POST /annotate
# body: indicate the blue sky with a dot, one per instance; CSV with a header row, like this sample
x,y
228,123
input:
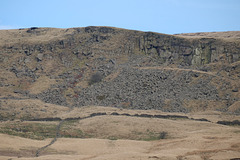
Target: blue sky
x,y
164,16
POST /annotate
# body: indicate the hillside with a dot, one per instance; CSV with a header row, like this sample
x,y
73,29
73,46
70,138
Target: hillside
x,y
96,133
98,93
129,69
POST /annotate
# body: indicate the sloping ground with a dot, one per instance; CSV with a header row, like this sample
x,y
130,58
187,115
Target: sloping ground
x,y
48,75
164,88
230,35
184,139
25,109
181,74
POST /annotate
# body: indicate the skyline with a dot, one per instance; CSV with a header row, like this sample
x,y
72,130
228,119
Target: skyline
x,y
163,16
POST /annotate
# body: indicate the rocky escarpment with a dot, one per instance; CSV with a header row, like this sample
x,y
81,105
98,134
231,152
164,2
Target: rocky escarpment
x,y
141,70
184,52
93,41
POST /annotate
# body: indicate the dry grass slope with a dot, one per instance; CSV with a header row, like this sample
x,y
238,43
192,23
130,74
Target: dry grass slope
x,y
45,76
114,137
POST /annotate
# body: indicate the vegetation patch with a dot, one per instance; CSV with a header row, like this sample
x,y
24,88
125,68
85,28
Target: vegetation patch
x,y
153,136
101,97
149,135
42,131
37,131
112,138
95,78
68,130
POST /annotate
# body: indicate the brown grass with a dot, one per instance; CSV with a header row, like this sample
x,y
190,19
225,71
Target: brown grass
x,y
121,137
42,83
109,137
29,109
229,36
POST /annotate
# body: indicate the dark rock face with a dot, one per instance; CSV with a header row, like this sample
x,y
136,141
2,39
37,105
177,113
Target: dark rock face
x,y
189,73
173,49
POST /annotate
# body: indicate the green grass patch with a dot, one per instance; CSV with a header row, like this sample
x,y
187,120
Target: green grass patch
x,y
69,130
153,136
112,138
37,131
42,131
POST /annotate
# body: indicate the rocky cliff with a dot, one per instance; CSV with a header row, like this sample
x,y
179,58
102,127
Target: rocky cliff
x,y
122,68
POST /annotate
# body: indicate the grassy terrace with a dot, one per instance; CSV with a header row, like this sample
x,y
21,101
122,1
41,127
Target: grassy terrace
x,y
43,130
40,130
